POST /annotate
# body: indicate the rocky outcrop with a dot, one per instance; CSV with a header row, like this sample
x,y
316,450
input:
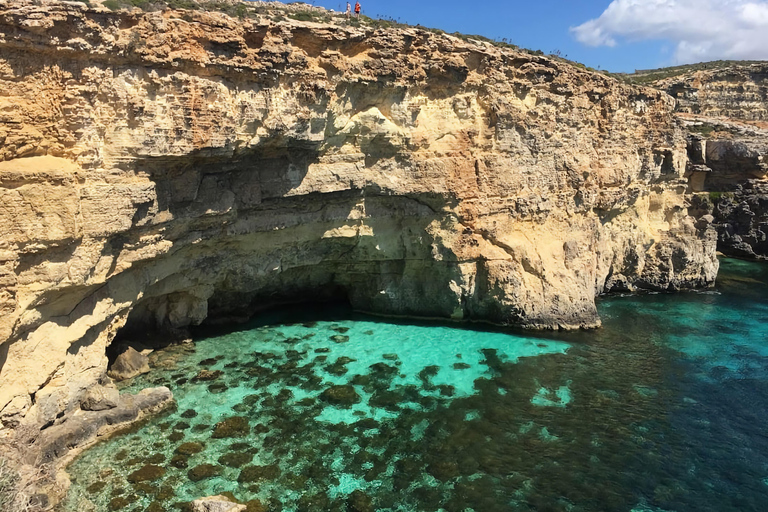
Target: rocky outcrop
x,y
729,154
742,220
160,169
736,92
726,111
82,428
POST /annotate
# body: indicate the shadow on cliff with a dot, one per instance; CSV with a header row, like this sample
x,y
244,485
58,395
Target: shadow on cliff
x,y
207,183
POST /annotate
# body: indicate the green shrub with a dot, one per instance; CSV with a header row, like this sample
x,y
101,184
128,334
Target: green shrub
x,y
702,129
716,196
302,16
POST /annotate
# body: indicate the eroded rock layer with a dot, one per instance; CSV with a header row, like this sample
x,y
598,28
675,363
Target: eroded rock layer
x,y
736,92
176,166
727,112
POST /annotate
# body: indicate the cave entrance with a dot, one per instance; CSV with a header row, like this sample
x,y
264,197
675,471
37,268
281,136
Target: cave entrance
x,y
151,324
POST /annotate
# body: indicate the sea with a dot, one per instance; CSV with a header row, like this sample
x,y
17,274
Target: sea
x,y
664,408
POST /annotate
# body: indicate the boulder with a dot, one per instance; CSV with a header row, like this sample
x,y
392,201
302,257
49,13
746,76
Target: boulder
x,y
216,504
129,363
100,398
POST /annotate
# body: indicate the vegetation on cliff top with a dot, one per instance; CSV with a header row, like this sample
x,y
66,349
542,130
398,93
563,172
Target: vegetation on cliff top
x,y
300,11
647,76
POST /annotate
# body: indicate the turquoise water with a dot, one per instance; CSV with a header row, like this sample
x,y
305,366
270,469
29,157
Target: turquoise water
x,y
663,409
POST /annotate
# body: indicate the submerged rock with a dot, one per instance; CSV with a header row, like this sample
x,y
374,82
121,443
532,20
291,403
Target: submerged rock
x,y
444,470
252,474
179,461
118,503
207,375
96,487
203,471
148,473
235,459
157,458
344,396
218,387
190,448
255,506
236,426
358,501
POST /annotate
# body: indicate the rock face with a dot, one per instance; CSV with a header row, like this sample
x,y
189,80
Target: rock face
x,y
727,112
742,220
737,92
163,168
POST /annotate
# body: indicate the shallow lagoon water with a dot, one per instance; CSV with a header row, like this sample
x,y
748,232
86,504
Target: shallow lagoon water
x,y
663,409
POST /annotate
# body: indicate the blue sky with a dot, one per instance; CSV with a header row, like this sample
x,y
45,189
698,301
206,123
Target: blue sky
x,y
617,35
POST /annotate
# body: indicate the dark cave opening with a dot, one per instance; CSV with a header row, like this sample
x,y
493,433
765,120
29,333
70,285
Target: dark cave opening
x,y
228,311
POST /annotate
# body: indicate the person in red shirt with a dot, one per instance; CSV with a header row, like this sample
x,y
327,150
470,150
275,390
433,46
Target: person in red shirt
x,y
357,9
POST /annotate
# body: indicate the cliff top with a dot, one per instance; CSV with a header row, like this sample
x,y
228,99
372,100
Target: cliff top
x,y
717,67
300,11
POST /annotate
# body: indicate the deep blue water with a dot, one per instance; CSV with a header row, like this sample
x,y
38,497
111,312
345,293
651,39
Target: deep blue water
x,y
663,409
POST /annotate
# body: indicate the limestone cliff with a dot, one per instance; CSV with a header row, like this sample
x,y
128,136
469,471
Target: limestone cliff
x,y
167,167
735,92
726,110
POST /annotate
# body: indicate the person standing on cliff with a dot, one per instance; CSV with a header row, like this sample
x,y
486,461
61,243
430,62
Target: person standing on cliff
x,y
349,10
357,9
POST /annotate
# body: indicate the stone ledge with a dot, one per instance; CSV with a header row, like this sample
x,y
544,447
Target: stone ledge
x,y
84,427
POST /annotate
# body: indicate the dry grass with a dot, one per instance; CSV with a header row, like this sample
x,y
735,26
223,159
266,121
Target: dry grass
x,y
20,482
12,495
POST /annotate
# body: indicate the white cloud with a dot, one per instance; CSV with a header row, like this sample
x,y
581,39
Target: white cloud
x,y
701,29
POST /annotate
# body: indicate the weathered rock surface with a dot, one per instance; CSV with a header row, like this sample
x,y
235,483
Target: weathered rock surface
x,y
129,363
737,92
730,154
163,168
727,112
83,427
216,504
100,398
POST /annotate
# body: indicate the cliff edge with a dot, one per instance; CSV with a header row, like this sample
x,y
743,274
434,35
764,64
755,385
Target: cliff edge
x,y
160,169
